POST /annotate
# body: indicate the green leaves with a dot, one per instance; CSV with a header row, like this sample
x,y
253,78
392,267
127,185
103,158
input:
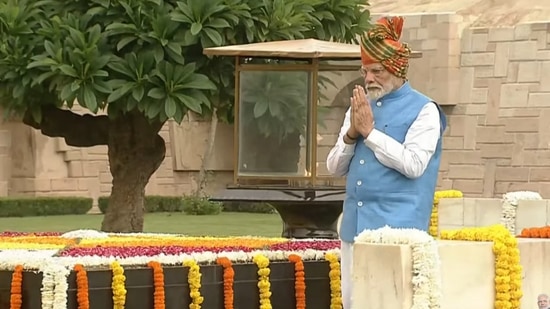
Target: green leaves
x,y
208,20
123,55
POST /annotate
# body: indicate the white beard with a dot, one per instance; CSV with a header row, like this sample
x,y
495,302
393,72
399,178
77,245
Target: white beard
x,y
375,94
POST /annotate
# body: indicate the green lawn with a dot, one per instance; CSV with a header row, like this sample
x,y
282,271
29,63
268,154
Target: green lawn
x,y
225,224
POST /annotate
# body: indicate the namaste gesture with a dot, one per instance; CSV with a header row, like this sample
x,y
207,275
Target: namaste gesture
x,y
362,119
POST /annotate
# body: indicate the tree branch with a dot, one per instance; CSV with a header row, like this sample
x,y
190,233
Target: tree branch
x,y
77,130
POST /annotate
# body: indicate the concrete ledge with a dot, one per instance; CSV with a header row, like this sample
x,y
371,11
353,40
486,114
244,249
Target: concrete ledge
x,y
457,213
383,273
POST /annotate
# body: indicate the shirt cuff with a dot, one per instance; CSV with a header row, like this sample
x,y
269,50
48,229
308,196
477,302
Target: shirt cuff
x,y
349,149
375,139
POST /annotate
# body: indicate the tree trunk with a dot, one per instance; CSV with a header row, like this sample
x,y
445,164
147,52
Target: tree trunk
x,y
207,153
136,151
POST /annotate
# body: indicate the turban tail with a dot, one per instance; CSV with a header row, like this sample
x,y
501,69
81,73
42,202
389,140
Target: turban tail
x,y
381,45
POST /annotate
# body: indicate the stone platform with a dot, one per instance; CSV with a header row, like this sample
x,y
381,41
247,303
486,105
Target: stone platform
x,y
457,213
383,273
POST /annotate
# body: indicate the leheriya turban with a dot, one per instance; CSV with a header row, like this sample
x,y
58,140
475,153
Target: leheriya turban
x,y
381,45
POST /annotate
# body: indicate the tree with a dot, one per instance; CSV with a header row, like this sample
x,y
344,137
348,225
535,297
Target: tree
x,y
141,62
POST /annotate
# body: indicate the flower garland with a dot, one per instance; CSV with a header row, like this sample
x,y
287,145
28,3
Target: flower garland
x,y
54,285
510,202
228,280
159,301
16,298
82,297
426,265
264,285
536,232
508,270
300,281
194,279
335,281
118,286
433,230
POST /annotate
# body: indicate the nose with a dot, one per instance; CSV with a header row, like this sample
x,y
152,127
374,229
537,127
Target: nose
x,y
369,77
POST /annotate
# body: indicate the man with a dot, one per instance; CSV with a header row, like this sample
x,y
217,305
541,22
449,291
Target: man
x,y
542,301
389,146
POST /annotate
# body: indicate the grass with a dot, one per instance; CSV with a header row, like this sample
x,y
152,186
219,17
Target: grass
x,y
224,224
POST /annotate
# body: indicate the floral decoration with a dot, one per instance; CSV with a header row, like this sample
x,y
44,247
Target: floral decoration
x,y
510,202
82,297
536,232
433,230
300,281
159,301
16,297
264,285
55,255
335,281
508,270
118,286
194,280
228,281
426,264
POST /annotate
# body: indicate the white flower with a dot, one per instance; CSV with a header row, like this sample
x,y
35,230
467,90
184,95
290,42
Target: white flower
x,y
510,203
85,234
426,280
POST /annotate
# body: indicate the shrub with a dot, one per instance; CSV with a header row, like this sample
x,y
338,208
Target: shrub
x,y
201,206
265,208
153,203
44,206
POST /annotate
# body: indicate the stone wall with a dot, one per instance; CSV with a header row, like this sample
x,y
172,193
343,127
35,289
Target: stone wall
x,y
495,88
493,83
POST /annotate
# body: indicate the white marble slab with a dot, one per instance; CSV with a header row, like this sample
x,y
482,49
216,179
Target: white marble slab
x,y
382,274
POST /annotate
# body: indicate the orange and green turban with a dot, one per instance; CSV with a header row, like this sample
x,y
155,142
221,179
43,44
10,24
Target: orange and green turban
x,y
381,45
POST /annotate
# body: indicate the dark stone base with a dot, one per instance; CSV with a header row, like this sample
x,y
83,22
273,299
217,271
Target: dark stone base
x,y
305,220
306,213
139,285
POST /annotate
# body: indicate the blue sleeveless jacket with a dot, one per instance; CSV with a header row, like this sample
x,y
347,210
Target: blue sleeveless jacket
x,y
377,195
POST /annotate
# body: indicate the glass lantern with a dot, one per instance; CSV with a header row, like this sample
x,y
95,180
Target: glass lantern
x,y
290,101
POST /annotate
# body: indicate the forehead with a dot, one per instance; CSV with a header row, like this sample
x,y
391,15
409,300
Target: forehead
x,y
372,66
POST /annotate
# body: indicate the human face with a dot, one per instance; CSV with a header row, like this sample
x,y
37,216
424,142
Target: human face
x,y
378,81
542,302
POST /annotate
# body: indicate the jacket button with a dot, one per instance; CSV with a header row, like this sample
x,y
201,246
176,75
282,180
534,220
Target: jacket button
x,y
359,203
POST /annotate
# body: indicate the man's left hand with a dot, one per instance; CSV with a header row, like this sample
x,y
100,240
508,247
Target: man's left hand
x,y
362,112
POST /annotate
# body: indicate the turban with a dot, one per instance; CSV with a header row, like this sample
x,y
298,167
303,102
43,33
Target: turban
x,y
380,44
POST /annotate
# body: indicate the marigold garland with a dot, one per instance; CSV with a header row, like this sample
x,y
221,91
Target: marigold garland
x,y
507,261
194,280
118,286
434,218
300,280
159,301
335,281
82,296
536,232
16,298
228,280
264,285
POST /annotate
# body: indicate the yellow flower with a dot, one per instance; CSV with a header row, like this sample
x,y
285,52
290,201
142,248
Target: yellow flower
x,y
508,269
434,219
118,286
264,286
194,280
335,281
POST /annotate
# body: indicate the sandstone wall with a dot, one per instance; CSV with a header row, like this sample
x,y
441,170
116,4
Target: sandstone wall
x,y
494,84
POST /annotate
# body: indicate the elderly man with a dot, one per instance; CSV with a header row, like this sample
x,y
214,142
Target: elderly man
x,y
389,146
542,301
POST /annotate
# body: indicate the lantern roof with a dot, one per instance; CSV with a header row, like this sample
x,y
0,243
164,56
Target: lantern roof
x,y
302,48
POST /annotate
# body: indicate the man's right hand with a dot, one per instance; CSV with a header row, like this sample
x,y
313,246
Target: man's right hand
x,y
352,134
